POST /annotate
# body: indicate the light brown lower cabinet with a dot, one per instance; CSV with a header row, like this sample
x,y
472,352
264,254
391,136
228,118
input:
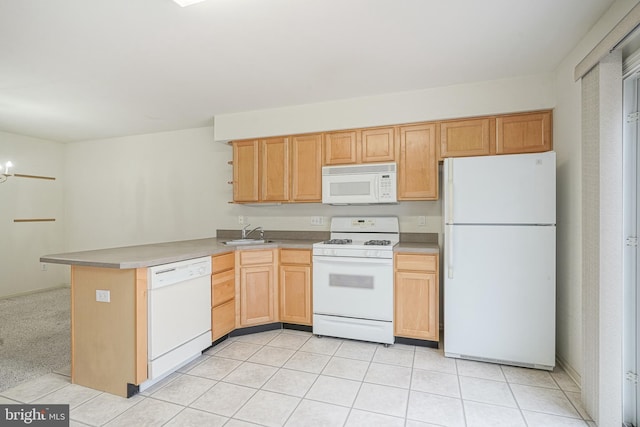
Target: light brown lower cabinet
x,y
223,292
256,287
295,286
416,296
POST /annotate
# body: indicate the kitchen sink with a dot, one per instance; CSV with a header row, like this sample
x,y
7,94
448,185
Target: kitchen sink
x,y
247,242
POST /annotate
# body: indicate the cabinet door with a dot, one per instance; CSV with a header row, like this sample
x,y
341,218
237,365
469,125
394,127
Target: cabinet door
x,y
306,168
523,133
257,295
245,171
340,148
465,138
295,294
378,145
416,305
274,170
417,163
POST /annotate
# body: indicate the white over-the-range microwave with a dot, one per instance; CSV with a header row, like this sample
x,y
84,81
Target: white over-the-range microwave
x,y
359,184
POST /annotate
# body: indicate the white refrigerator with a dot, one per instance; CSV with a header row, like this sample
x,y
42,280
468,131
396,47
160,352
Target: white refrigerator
x,y
500,259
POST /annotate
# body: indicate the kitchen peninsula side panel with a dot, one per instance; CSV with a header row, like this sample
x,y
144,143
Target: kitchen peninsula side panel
x,y
108,339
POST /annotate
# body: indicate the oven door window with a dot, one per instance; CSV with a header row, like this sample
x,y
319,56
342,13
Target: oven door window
x,y
353,287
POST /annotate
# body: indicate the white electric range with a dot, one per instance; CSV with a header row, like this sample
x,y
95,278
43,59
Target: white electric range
x,y
353,279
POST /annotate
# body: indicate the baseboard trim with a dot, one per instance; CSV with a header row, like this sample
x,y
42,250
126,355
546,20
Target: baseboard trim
x,y
573,374
36,291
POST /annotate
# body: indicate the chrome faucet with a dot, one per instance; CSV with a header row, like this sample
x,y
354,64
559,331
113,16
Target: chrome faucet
x,y
246,234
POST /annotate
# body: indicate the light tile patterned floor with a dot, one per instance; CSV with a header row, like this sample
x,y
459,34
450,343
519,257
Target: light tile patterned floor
x,y
292,378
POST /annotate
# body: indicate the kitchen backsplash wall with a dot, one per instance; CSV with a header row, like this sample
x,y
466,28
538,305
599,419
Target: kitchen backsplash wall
x,y
173,186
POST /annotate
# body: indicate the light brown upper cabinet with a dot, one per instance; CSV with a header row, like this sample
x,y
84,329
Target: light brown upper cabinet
x,y
370,145
306,168
377,145
417,163
245,171
340,148
523,133
465,138
261,170
274,169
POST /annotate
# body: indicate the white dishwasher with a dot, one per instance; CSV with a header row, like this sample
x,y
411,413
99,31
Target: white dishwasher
x,y
179,309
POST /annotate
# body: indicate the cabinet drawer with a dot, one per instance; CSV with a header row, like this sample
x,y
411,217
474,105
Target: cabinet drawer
x,y
222,262
256,257
223,319
295,256
416,262
223,287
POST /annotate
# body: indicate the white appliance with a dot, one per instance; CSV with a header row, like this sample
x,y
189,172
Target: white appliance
x,y
353,279
359,184
500,264
179,315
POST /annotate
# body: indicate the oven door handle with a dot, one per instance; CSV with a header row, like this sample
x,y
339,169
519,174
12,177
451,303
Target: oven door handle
x,y
351,260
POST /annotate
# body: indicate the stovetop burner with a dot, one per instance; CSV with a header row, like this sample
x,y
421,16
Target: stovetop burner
x,y
378,242
337,242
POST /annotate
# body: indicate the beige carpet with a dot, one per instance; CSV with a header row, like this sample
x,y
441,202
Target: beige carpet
x,y
35,336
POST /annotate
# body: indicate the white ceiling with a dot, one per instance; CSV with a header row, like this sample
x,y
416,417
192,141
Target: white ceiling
x,y
73,70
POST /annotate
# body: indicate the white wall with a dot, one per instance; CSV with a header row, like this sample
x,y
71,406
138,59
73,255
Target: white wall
x,y
146,188
567,143
22,244
481,98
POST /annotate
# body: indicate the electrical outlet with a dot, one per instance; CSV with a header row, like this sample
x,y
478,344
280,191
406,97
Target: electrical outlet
x,y
43,267
240,219
103,296
317,220
422,220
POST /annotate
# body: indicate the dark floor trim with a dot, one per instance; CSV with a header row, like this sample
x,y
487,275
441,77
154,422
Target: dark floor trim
x,y
254,329
295,327
419,343
132,389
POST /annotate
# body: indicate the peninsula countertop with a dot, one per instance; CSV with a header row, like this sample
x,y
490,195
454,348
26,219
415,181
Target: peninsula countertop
x,y
148,255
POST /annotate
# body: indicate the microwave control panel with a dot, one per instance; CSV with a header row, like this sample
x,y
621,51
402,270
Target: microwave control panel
x,y
386,187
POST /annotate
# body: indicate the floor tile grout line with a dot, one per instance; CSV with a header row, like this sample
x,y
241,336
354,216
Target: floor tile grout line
x,y
564,392
262,385
515,398
464,411
406,410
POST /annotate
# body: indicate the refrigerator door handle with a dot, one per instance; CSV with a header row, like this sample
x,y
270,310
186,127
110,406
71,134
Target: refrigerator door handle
x,y
450,190
449,246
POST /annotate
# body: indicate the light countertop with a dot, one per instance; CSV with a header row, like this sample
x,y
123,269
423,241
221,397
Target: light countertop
x,y
141,256
427,248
